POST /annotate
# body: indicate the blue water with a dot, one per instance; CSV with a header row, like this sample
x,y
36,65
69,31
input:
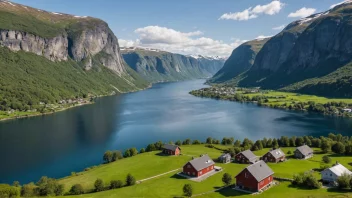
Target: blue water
x,y
57,144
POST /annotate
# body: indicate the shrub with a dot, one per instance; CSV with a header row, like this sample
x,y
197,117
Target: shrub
x,y
151,147
116,155
344,181
289,152
306,180
196,142
142,150
188,190
326,159
127,153
130,180
133,151
77,189
49,187
338,148
99,185
28,190
227,179
116,184
16,184
9,191
107,157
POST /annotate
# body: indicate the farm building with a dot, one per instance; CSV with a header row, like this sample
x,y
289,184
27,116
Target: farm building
x,y
331,174
246,157
275,156
199,166
303,152
225,158
255,177
170,149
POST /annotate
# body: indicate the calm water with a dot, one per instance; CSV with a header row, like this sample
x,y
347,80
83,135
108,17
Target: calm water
x,y
71,140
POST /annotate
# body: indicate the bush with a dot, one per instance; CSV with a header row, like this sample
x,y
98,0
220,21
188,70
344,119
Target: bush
x,y
227,179
16,184
99,185
28,190
344,181
9,191
116,155
107,157
326,159
130,180
116,184
133,151
289,152
49,187
77,189
142,150
188,190
306,180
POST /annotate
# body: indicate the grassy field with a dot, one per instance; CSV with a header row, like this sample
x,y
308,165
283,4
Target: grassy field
x,y
170,185
294,97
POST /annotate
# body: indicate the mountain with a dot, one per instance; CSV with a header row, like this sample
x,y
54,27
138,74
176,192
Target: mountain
x,y
48,56
160,66
241,60
308,56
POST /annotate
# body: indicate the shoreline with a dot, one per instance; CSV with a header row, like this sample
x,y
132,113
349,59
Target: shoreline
x,y
37,114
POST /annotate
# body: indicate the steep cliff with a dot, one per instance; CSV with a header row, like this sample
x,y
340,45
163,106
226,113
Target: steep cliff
x,y
160,66
307,56
84,43
241,60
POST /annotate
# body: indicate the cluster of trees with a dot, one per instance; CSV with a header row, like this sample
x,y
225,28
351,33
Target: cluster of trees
x,y
306,180
344,181
330,108
9,191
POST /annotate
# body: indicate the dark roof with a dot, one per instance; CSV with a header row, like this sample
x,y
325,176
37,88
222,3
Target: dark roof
x,y
249,155
201,162
171,147
259,170
305,150
277,153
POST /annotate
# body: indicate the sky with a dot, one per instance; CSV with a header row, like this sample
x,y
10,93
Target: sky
x,y
205,27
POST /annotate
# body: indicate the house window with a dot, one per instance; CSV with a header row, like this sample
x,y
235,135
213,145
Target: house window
x,y
330,175
245,175
188,166
193,173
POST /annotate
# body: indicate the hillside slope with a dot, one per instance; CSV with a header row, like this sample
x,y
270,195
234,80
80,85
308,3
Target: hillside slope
x,y
307,56
160,66
241,60
47,57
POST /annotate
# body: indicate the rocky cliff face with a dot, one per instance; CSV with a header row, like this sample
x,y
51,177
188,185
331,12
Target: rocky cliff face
x,y
241,60
78,38
160,66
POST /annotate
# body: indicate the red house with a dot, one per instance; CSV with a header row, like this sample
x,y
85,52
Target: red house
x,y
246,157
274,156
255,177
171,149
199,166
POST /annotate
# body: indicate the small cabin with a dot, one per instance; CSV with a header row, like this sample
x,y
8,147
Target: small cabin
x,y
225,158
303,152
274,156
170,149
255,177
246,157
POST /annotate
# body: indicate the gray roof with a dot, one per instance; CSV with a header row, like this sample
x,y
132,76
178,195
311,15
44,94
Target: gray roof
x,y
305,150
249,155
260,170
225,155
170,147
338,170
277,153
201,162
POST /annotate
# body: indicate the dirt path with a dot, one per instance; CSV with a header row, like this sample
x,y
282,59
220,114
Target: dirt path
x,y
143,180
212,191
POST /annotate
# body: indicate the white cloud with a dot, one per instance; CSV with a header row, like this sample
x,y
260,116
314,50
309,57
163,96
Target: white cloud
x,y
270,9
303,12
346,1
180,42
281,27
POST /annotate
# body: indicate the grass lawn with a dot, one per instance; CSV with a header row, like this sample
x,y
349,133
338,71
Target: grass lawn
x,y
294,97
170,185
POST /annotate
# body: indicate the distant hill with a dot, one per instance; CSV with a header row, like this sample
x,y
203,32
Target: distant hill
x,y
311,55
46,57
160,66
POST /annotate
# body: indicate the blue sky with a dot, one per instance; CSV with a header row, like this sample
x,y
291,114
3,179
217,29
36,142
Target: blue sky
x,y
188,26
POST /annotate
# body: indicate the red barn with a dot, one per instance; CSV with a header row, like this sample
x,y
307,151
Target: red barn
x,y
171,149
246,157
199,166
255,177
275,156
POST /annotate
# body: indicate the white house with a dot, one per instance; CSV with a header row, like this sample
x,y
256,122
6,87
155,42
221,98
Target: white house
x,y
331,174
